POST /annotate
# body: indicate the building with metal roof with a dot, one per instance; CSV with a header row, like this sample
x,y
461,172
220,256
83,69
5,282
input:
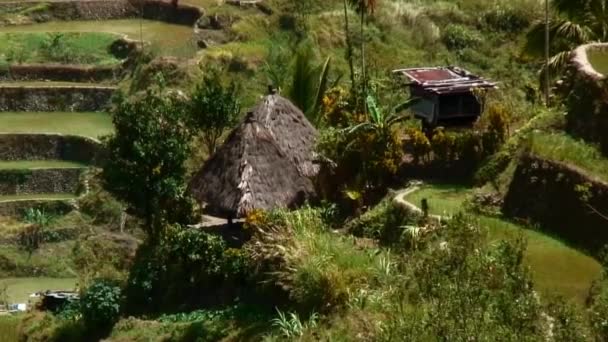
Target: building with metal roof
x,y
446,94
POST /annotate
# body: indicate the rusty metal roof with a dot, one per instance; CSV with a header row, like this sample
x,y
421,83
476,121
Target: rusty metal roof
x,y
444,80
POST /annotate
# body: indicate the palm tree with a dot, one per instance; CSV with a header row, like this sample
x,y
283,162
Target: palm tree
x,y
309,82
576,22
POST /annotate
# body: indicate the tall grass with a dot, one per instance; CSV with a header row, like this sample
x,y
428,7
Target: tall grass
x,y
564,148
9,328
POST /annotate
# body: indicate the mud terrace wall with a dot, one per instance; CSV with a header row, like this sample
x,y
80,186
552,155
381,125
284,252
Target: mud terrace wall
x,y
40,181
104,10
586,96
72,10
49,146
562,200
17,208
68,73
54,99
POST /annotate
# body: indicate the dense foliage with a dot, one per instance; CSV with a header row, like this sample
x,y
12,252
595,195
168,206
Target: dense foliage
x,y
145,168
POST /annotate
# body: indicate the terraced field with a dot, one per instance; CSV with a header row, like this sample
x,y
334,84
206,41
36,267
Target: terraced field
x,y
557,268
91,125
165,38
599,61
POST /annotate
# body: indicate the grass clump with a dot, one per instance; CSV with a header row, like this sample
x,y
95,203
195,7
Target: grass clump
x,y
564,148
315,270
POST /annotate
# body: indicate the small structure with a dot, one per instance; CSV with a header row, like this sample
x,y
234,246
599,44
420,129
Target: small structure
x,y
446,95
266,162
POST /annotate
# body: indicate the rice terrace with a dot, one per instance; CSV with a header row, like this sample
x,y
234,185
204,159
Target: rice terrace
x,y
303,170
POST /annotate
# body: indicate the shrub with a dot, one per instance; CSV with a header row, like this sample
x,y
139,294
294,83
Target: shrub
x,y
103,256
458,37
384,222
510,20
419,144
100,304
302,265
189,269
443,144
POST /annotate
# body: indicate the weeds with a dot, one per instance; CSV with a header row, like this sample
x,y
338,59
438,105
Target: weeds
x,y
290,325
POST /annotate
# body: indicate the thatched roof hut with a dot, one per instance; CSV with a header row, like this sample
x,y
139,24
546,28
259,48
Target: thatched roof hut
x,y
266,162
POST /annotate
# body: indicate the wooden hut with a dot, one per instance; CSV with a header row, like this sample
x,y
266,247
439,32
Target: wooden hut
x,y
446,95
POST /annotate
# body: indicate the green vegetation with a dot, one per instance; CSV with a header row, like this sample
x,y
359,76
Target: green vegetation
x,y
66,48
91,125
149,150
9,328
354,267
564,148
24,197
39,164
166,39
557,268
599,60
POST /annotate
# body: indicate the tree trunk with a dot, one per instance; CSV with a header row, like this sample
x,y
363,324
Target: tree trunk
x,y
363,74
349,47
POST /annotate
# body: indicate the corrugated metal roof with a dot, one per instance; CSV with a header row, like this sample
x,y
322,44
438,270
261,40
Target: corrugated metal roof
x,y
444,80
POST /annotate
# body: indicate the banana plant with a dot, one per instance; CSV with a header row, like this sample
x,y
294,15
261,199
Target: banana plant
x,y
380,120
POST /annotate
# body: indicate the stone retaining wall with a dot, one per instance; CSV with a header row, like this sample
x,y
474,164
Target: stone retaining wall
x,y
105,10
72,10
165,11
49,147
586,97
67,73
55,98
17,208
562,199
40,181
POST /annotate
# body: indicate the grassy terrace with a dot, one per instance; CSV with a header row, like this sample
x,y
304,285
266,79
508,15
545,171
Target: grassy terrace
x,y
19,289
599,60
86,124
556,268
562,147
51,197
50,84
39,164
66,47
168,39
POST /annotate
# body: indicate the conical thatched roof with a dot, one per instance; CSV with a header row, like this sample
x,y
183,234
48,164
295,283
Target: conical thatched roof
x,y
266,162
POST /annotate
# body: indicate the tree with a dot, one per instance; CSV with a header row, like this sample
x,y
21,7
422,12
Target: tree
x,y
214,107
146,155
577,22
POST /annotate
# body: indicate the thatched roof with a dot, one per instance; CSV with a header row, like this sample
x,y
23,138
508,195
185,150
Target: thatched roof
x,y
266,162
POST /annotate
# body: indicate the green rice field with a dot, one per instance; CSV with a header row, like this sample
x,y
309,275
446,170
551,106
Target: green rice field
x,y
64,47
557,269
51,197
85,124
169,39
39,164
599,60
19,289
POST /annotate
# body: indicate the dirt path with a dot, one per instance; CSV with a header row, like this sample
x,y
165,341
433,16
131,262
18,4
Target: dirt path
x,y
399,200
